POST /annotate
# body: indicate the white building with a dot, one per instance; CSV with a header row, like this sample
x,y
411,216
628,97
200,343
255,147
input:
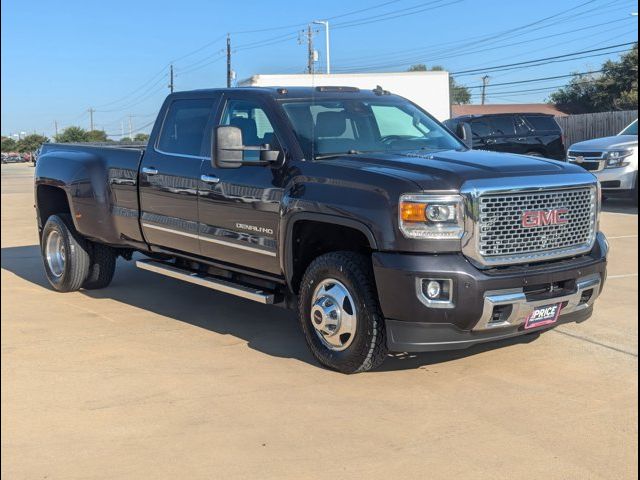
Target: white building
x,y
429,90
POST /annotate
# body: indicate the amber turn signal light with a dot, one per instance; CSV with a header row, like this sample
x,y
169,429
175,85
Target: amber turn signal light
x,y
412,212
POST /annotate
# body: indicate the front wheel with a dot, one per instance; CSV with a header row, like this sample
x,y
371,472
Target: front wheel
x,y
65,255
339,313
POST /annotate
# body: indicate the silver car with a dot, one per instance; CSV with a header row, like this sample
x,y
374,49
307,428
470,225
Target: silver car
x,y
614,160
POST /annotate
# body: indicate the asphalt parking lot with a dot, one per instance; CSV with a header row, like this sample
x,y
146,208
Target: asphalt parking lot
x,y
153,378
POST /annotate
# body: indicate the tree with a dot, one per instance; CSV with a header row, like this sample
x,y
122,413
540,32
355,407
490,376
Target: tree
x,y
30,143
125,140
459,93
8,144
72,135
141,137
96,136
616,88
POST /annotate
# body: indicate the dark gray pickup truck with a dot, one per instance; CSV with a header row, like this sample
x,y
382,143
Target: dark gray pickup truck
x,y
355,207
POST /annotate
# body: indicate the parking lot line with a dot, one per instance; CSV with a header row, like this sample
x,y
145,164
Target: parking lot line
x,y
626,275
622,236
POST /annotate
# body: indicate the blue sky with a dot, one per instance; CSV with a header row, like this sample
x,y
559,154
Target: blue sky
x,y
60,58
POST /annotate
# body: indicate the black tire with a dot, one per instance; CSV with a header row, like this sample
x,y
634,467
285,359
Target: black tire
x,y
102,266
368,349
75,267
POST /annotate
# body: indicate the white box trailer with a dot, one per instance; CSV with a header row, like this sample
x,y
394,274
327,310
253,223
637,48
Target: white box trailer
x,y
430,90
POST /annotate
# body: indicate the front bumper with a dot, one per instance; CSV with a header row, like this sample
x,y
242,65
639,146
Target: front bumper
x,y
413,326
612,179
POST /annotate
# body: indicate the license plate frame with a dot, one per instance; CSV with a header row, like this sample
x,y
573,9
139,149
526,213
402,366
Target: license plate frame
x,y
543,315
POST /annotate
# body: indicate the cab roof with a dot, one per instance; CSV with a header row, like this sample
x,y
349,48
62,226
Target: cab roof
x,y
297,92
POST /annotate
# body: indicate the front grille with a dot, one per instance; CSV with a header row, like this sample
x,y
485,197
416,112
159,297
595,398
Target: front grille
x,y
501,232
590,166
573,154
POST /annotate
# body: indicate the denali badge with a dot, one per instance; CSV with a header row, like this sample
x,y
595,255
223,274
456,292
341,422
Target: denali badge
x,y
541,218
253,228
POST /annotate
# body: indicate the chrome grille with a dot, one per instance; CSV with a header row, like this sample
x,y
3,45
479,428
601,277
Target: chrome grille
x,y
501,232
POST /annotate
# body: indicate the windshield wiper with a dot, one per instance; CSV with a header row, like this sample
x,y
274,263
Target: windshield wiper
x,y
334,155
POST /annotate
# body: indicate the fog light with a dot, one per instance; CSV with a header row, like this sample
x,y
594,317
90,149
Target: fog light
x,y
434,289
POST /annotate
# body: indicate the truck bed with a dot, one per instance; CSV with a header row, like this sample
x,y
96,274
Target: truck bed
x,y
101,182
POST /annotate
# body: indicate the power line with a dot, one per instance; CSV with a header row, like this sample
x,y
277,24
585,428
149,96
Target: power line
x,y
440,54
488,69
540,79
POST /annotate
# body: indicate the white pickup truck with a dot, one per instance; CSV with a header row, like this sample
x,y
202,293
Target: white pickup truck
x,y
614,160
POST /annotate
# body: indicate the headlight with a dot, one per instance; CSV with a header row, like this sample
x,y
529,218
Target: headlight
x,y
615,158
431,217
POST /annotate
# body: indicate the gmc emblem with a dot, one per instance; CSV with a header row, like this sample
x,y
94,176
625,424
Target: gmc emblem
x,y
541,218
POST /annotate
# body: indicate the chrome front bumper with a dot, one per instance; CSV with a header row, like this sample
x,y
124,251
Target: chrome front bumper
x,y
522,308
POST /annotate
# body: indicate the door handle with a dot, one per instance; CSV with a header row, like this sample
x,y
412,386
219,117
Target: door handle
x,y
150,170
521,139
209,178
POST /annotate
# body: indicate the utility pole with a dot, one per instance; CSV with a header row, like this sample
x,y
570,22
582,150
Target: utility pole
x,y
326,43
131,127
485,81
121,129
171,78
55,127
310,54
91,110
229,74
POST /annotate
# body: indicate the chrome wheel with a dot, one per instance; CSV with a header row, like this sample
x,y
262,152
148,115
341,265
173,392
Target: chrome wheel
x,y
333,314
55,253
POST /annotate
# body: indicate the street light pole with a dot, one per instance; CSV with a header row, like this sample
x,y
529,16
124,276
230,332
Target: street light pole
x,y
326,40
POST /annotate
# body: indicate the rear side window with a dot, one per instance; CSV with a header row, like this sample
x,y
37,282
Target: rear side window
x,y
184,126
539,122
502,125
480,127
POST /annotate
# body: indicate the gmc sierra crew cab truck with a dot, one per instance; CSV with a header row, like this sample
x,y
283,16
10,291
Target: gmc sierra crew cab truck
x,y
382,228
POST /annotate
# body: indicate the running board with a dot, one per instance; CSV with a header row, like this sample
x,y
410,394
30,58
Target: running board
x,y
224,286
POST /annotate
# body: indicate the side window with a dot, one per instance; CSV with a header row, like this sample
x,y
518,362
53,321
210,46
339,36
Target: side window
x,y
253,121
540,122
480,128
184,126
502,125
521,127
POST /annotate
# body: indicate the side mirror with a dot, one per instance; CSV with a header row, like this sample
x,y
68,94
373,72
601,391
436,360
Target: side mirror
x,y
464,133
229,150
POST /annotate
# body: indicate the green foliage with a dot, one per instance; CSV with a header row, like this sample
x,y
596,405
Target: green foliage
x,y
459,93
8,144
616,88
31,143
72,135
125,140
141,137
96,136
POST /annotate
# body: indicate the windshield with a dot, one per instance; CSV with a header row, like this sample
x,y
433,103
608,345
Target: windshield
x,y
631,129
330,127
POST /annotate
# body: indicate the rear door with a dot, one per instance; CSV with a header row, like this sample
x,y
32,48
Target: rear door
x,y
503,133
170,175
239,208
481,131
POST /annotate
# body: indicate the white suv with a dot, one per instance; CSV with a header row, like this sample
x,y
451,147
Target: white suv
x,y
614,160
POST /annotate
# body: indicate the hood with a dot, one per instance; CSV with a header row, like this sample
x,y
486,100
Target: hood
x,y
607,143
449,170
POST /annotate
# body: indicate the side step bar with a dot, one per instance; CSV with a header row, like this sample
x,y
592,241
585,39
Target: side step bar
x,y
224,286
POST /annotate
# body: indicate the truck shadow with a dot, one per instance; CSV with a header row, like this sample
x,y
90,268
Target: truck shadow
x,y
620,205
270,330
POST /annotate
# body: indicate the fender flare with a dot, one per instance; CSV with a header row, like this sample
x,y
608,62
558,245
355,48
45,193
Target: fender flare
x,y
286,236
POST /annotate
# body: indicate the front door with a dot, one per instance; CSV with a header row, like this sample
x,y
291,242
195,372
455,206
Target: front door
x,y
170,176
239,208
